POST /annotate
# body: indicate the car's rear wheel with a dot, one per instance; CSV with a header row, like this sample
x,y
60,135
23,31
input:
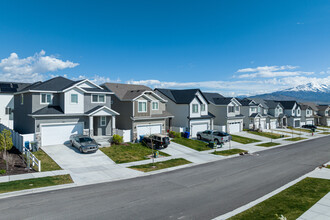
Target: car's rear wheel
x,y
217,141
80,149
199,137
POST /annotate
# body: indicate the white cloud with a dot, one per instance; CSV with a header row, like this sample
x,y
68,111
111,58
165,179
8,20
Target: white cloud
x,y
32,68
271,71
96,79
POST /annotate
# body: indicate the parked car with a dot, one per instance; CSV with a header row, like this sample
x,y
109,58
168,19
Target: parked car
x,y
84,143
158,140
213,135
309,126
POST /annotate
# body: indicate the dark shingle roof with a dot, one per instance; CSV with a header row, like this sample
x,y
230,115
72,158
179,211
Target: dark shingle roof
x,y
260,101
287,104
55,84
217,99
126,91
322,107
209,115
272,103
247,102
304,107
49,110
182,96
94,109
12,87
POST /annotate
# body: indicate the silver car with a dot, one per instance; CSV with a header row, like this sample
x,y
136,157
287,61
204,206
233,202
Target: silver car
x,y
84,143
212,135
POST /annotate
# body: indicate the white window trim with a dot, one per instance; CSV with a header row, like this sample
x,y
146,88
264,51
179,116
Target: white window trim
x,y
193,108
22,99
101,121
146,107
74,103
98,98
204,107
46,103
152,105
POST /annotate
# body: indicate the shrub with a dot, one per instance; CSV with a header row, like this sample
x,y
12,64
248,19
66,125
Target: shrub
x,y
2,172
174,134
117,139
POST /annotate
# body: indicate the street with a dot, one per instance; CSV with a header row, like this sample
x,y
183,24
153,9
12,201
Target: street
x,y
199,192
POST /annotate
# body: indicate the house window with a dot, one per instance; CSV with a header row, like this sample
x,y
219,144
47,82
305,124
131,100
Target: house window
x,y
326,112
195,108
98,98
231,109
280,110
8,111
253,109
46,98
298,111
155,105
202,107
103,121
74,98
259,109
142,107
22,99
237,108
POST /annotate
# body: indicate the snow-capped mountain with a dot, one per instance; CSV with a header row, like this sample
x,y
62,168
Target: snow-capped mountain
x,y
310,92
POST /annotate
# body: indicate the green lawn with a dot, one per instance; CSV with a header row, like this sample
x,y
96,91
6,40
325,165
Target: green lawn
x,y
229,152
34,183
326,133
243,140
288,132
300,129
328,166
290,203
160,165
268,144
128,153
267,134
47,163
295,139
193,144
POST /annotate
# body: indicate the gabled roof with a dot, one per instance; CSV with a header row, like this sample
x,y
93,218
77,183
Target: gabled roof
x,y
182,96
55,84
49,110
247,102
126,91
217,99
288,104
99,108
304,107
323,107
12,87
260,101
312,105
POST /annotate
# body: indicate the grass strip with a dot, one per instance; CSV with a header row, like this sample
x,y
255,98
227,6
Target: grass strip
x,y
229,152
160,165
34,183
268,144
128,153
47,163
300,129
267,134
326,133
243,140
291,202
295,139
288,132
193,144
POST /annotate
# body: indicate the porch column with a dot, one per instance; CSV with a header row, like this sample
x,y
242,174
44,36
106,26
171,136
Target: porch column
x,y
91,133
113,127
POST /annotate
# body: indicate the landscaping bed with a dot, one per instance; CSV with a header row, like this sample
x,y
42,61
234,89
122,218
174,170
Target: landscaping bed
x,y
267,134
268,144
125,153
160,165
193,144
16,163
34,183
295,139
291,203
47,163
243,140
229,152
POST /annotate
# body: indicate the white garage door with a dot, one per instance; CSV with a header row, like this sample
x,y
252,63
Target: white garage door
x,y
59,133
262,124
309,122
148,129
234,128
272,124
328,122
198,127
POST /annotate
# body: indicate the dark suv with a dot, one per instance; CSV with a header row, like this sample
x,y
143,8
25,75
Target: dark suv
x,y
158,140
309,126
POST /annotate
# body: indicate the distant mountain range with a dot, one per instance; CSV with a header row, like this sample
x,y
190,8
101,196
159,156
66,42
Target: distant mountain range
x,y
311,92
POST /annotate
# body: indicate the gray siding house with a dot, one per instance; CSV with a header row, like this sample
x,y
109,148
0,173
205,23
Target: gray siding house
x,y
141,110
307,115
276,110
59,107
324,112
293,112
254,115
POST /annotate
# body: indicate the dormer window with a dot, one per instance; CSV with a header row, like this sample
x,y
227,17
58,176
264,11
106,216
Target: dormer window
x,y
195,108
96,98
280,110
202,107
298,111
46,98
237,108
231,109
155,105
142,106
74,98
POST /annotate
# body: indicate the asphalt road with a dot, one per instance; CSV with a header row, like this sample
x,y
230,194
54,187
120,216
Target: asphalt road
x,y
200,192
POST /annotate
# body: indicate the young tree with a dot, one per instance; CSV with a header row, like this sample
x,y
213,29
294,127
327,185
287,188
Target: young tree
x,y
6,143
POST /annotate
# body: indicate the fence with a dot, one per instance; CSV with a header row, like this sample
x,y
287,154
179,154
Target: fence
x,y
126,134
179,129
18,139
220,127
30,159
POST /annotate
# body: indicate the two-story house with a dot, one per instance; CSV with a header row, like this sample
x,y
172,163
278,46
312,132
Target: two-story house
x,y
324,112
190,110
59,107
264,110
7,90
307,116
293,112
227,112
141,110
254,117
276,110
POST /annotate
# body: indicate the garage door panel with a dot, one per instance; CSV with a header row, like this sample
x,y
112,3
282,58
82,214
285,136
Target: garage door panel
x,y
272,124
234,128
198,127
59,133
148,129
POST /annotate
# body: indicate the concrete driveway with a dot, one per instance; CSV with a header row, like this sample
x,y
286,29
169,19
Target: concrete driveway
x,y
87,168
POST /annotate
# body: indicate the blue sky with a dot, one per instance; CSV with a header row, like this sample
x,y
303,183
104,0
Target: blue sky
x,y
232,47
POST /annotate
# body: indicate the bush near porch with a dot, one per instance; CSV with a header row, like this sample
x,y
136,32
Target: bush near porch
x,y
126,153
